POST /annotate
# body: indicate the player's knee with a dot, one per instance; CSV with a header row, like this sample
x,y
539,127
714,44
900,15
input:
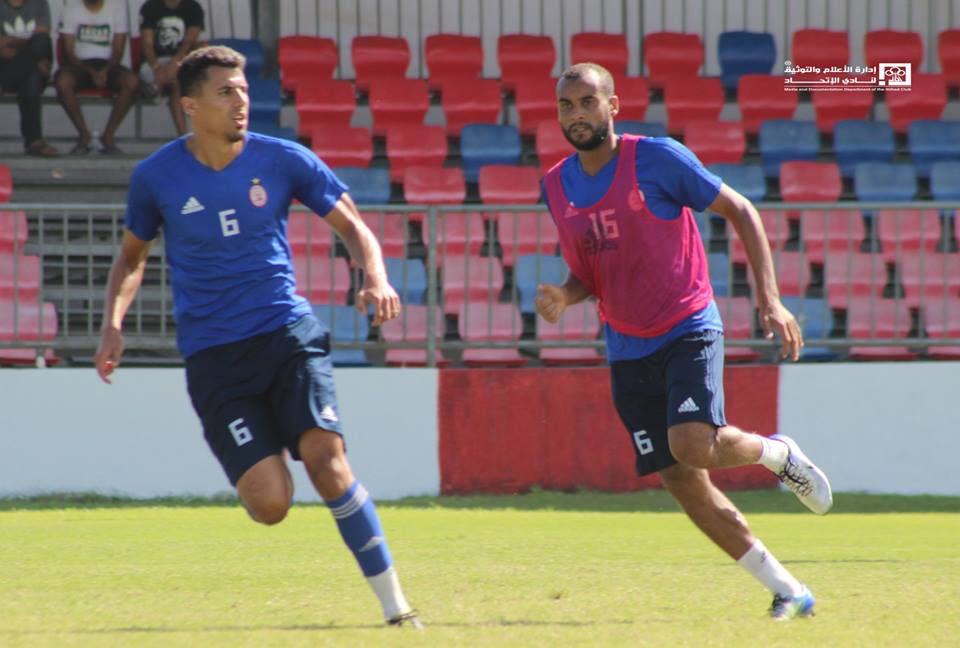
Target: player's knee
x,y
129,82
693,444
268,511
64,81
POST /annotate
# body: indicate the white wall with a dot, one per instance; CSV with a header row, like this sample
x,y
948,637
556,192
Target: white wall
x,y
884,428
63,430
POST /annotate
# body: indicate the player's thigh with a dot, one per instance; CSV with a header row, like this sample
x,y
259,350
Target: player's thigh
x,y
241,432
694,380
640,399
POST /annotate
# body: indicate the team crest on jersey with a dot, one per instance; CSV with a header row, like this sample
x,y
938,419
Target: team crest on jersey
x,y
258,194
636,199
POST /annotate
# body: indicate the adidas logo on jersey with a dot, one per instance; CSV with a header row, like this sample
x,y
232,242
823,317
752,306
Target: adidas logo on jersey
x,y
192,206
688,406
328,414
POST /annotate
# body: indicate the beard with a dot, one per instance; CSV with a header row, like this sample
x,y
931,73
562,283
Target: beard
x,y
598,137
237,135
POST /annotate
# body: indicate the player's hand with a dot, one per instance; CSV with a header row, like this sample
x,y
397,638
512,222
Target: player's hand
x,y
775,318
550,302
383,298
108,353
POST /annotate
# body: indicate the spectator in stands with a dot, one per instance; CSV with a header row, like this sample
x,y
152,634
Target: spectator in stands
x,y
25,61
94,35
169,30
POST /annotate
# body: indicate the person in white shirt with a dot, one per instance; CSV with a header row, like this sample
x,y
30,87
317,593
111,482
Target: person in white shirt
x,y
93,36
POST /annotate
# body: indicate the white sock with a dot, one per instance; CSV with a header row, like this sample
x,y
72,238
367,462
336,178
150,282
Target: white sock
x,y
386,586
767,569
774,454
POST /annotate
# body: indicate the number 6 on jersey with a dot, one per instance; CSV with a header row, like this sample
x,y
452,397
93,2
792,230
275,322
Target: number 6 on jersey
x,y
230,226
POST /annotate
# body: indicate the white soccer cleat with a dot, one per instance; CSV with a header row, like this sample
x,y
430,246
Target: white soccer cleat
x,y
406,620
807,482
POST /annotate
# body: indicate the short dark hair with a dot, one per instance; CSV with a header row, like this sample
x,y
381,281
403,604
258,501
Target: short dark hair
x,y
193,68
580,70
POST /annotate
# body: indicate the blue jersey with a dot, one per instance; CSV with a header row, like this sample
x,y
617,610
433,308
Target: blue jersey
x,y
225,234
670,177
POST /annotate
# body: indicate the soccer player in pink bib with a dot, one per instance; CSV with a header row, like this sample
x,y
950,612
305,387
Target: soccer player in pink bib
x,y
622,205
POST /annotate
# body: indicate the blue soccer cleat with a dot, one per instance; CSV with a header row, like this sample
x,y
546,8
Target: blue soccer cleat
x,y
785,608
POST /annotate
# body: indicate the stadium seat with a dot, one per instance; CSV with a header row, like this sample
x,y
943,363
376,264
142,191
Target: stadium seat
x,y
252,50
366,186
342,146
747,179
433,186
280,132
524,233
633,127
13,231
948,48
810,182
458,234
903,231
744,52
890,46
308,234
470,101
671,55
452,57
322,279
20,276
830,108
856,141
816,322
303,59
502,184
470,278
536,101
552,145
879,181
6,183
379,57
762,97
322,103
793,273
485,322
411,326
634,94
347,324
716,142
265,101
409,279
782,140
853,274
926,100
837,231
718,264
691,99
878,319
532,270
932,141
577,322
524,56
26,321
608,50
776,225
390,228
942,320
929,277
483,144
395,102
411,145
737,316
819,47
945,180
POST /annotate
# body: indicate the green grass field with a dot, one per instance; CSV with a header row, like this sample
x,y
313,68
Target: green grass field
x,y
543,569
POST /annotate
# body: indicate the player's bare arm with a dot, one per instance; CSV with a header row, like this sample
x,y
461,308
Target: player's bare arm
x,y
774,317
126,275
365,250
552,300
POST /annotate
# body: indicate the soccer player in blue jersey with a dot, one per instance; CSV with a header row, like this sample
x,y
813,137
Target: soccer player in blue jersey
x,y
258,363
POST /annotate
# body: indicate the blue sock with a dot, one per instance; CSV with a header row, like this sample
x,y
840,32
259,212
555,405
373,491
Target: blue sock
x,y
360,527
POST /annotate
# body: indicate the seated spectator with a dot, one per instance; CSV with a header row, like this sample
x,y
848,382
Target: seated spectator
x,y
169,30
25,61
94,34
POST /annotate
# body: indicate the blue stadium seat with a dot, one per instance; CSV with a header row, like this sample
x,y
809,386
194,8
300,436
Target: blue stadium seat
x,y
932,141
346,324
719,264
482,144
632,127
251,48
265,101
366,186
409,278
816,321
787,139
744,52
747,179
282,132
533,269
945,180
880,181
856,141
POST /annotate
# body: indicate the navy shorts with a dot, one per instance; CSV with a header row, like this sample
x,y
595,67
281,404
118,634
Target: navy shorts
x,y
680,383
259,395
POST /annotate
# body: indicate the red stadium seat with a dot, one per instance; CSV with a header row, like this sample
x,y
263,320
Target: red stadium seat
x,y
470,278
831,107
394,102
452,56
716,142
762,97
526,233
411,326
308,234
415,145
434,186
878,319
810,181
851,275
20,276
838,231
22,322
671,55
470,101
819,47
458,234
942,319
536,101
14,230
929,277
890,46
776,225
503,184
905,231
793,273
322,280
737,316
379,57
948,47
322,103
578,322
390,229
552,145
926,100
304,59
524,56
6,183
634,94
340,146
608,50
692,99
485,322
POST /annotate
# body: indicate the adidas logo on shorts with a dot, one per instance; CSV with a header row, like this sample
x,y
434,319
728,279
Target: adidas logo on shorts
x,y
688,406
